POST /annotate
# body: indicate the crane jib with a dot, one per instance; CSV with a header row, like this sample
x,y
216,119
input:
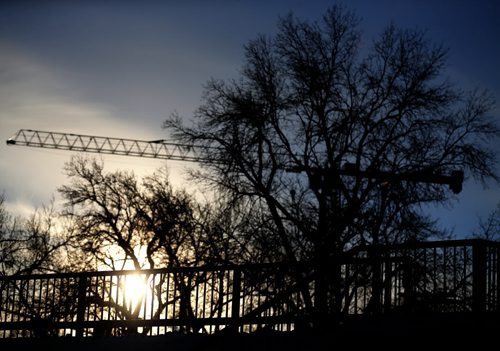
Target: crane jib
x,y
184,152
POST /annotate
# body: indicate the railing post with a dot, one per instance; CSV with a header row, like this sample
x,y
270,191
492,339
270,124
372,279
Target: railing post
x,y
479,276
235,305
497,279
377,281
81,304
408,283
320,295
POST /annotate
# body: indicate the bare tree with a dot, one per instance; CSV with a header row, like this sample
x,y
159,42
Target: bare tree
x,y
31,245
308,103
117,220
489,227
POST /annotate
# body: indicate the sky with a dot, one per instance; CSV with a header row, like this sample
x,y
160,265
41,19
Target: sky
x,y
120,68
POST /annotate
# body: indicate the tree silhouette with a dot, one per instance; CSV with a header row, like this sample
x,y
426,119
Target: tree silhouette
x,y
312,99
118,220
33,244
489,227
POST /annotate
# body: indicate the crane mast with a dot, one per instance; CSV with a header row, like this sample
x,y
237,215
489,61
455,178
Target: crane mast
x,y
162,149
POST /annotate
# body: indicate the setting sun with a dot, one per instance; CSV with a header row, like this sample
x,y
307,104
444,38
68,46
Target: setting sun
x,y
134,289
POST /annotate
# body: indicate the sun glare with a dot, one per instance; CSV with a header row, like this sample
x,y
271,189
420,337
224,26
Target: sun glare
x,y
134,289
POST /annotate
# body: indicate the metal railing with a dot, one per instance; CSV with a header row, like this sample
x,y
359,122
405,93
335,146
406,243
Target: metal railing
x,y
152,302
438,277
442,276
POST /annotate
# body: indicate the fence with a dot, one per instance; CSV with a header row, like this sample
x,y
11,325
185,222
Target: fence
x,y
443,276
437,277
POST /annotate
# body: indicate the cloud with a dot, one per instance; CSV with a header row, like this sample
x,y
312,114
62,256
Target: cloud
x,y
34,97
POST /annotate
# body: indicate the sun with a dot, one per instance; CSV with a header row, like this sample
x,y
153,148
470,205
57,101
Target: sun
x,y
134,289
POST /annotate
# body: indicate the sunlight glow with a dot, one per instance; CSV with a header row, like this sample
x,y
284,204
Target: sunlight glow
x,y
134,289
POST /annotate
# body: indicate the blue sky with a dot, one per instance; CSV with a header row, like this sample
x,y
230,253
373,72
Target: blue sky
x,y
119,68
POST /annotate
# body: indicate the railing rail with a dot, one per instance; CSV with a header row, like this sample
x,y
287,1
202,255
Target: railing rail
x,y
437,277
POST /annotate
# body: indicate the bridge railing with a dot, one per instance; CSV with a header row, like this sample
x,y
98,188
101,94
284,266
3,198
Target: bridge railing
x,y
441,276
436,277
153,302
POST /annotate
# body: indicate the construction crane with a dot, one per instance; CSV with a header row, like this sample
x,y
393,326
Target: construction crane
x,y
162,149
105,145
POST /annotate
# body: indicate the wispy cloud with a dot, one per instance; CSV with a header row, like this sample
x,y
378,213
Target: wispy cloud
x,y
32,97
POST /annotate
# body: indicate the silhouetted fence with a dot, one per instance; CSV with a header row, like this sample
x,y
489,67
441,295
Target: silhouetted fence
x,y
444,276
436,277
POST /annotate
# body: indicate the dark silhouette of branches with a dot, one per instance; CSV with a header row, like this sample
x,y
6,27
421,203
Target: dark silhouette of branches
x,y
31,245
309,100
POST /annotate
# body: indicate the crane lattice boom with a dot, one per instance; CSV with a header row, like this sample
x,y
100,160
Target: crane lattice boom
x,y
182,152
105,145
